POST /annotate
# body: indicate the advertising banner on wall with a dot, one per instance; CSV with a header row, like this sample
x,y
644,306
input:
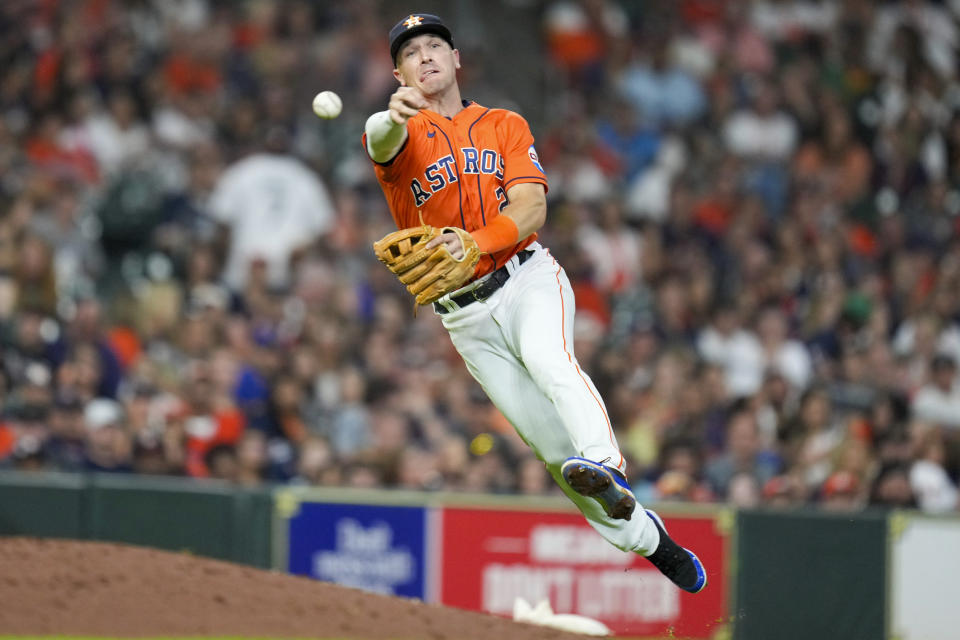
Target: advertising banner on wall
x,y
372,547
492,557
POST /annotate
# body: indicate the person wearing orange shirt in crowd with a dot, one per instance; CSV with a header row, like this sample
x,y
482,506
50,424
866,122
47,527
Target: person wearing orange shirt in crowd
x,y
449,162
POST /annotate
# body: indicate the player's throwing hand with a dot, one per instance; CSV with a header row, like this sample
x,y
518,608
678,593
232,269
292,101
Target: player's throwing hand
x,y
405,103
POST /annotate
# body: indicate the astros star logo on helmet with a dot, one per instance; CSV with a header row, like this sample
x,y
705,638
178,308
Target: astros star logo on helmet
x,y
413,21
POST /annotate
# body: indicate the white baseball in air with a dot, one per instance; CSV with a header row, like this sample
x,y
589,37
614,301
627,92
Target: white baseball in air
x,y
327,105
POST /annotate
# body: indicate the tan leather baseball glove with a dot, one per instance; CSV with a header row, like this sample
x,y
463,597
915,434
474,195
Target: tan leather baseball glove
x,y
428,273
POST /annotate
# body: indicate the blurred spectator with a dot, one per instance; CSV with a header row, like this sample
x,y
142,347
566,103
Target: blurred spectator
x,y
681,473
785,21
210,417
789,357
349,424
85,344
835,162
533,478
742,454
580,34
273,207
65,449
762,130
108,444
314,463
252,458
581,166
933,487
116,137
221,461
939,400
841,491
663,93
743,491
910,29
812,437
784,491
417,469
636,144
724,342
613,249
891,488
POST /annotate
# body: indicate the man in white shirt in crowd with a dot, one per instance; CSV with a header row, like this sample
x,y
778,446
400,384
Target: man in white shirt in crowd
x,y
938,401
273,206
726,343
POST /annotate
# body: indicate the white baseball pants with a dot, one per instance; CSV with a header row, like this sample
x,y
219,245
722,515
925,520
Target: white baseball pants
x,y
518,344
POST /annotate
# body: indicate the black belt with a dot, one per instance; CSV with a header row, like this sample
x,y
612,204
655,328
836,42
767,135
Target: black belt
x,y
496,280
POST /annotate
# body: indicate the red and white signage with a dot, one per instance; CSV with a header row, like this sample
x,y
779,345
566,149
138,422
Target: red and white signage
x,y
491,557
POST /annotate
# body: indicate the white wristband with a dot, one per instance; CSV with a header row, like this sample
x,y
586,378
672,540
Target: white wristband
x,y
384,136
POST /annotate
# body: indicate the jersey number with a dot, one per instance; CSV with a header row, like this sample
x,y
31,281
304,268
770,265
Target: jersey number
x,y
502,198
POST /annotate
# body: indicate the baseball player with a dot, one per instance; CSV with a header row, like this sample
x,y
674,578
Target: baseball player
x,y
452,163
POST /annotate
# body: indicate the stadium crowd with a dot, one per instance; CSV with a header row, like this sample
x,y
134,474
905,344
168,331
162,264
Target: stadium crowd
x,y
757,203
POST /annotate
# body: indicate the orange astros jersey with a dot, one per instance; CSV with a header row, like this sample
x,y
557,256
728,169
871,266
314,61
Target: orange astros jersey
x,y
457,171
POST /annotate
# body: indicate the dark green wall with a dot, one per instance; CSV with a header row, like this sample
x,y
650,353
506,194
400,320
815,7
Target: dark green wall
x,y
806,575
177,514
47,505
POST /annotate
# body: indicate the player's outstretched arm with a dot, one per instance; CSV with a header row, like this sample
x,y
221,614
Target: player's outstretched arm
x,y
387,130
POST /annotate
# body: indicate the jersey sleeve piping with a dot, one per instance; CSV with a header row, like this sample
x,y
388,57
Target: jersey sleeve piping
x,y
538,179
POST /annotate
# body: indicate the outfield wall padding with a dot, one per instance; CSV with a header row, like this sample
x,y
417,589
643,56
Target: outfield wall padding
x,y
806,575
49,505
178,514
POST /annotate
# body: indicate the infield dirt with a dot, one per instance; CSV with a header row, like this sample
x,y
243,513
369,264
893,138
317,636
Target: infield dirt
x,y
61,587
